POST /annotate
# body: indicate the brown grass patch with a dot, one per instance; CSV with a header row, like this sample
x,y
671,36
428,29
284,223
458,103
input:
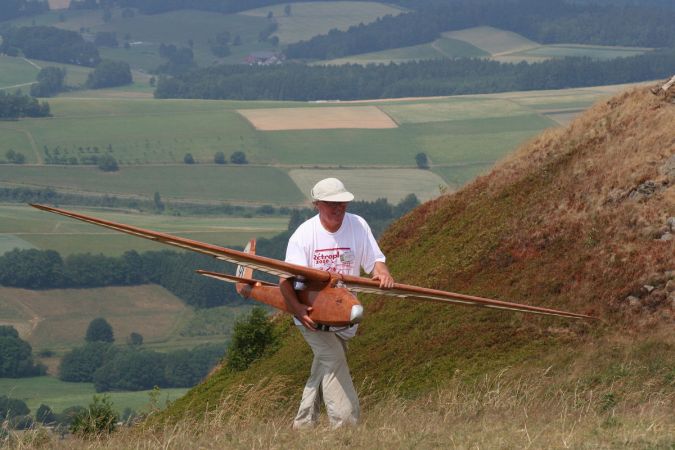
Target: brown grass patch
x,y
276,119
59,4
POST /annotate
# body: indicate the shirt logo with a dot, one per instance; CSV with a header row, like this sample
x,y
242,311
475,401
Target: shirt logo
x,y
338,260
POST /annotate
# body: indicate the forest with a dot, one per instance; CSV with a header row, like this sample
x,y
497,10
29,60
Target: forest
x,y
50,44
11,9
411,79
547,22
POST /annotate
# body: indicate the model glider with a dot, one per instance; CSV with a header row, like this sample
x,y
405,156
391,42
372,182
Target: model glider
x,y
329,294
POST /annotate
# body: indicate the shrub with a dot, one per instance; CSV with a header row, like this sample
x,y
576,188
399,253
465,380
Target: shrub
x,y
99,418
108,163
188,158
251,338
219,158
238,157
99,330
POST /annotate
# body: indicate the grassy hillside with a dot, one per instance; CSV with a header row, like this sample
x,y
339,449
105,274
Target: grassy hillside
x,y
574,220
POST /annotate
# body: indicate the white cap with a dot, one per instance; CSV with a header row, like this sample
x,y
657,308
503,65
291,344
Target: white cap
x,y
331,190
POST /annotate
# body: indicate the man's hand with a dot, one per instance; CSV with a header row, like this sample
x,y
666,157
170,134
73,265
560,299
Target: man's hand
x,y
299,310
381,274
302,313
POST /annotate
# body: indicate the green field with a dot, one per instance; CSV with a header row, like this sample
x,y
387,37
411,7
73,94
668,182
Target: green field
x,y
16,73
59,395
26,227
591,51
442,48
149,138
312,18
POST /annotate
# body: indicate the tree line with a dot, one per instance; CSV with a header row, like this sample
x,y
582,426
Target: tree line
x,y
46,269
11,9
49,195
50,44
16,105
552,21
410,79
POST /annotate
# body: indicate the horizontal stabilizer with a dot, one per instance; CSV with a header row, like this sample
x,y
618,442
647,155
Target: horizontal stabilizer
x,y
233,279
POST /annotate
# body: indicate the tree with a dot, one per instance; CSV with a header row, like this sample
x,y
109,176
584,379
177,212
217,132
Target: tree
x,y
219,158
45,415
49,82
12,407
287,10
251,338
108,163
80,363
16,357
188,158
109,73
15,157
106,39
422,160
238,157
99,330
135,339
157,199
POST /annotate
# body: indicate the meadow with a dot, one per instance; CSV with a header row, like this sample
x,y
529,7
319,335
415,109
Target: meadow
x,y
26,227
59,395
149,138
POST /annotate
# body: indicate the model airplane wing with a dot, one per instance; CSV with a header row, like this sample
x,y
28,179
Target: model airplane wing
x,y
268,265
283,269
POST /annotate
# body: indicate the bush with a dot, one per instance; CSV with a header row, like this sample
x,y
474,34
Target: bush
x,y
80,363
99,418
251,338
99,330
238,157
109,73
188,158
44,414
108,163
219,158
422,160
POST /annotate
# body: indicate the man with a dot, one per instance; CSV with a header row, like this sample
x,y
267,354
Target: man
x,y
335,241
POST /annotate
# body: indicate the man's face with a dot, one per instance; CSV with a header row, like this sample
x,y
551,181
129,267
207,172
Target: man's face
x,y
332,213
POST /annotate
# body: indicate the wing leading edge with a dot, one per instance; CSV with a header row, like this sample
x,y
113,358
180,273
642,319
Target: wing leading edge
x,y
283,269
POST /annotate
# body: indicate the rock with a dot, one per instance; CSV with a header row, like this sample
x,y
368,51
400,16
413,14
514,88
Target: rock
x,y
671,223
670,286
643,191
668,169
648,288
668,236
632,300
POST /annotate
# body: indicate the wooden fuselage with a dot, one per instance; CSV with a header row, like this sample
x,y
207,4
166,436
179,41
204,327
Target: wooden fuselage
x,y
332,306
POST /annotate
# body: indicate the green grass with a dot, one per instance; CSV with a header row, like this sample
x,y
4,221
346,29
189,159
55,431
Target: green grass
x,y
59,395
310,19
57,319
16,71
26,227
492,40
262,185
591,51
442,48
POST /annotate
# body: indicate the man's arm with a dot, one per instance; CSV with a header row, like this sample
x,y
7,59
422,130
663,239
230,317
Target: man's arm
x,y
381,273
298,309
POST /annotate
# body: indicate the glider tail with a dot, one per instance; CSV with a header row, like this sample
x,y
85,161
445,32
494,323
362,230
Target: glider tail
x,y
245,272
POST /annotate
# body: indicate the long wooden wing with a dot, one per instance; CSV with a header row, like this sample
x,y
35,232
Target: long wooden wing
x,y
283,269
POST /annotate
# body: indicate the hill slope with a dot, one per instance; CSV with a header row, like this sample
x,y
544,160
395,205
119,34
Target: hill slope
x,y
576,219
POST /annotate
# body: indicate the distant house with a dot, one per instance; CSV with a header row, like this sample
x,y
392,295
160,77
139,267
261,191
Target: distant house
x,y
264,58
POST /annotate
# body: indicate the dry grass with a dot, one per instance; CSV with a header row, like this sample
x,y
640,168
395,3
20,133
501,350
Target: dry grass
x,y
500,410
276,119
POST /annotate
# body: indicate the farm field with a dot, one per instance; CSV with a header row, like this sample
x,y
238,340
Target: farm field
x,y
149,139
312,18
443,48
16,73
26,227
506,46
353,117
57,319
59,395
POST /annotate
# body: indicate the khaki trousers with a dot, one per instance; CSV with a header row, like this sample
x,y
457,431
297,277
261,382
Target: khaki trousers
x,y
329,380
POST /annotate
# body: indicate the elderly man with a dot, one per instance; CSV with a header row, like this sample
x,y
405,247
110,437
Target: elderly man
x,y
336,241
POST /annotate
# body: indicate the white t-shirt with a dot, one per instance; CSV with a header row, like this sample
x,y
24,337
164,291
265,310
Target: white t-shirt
x,y
346,251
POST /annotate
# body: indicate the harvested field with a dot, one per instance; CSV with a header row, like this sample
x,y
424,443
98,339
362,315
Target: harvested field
x,y
493,40
276,119
58,4
392,184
